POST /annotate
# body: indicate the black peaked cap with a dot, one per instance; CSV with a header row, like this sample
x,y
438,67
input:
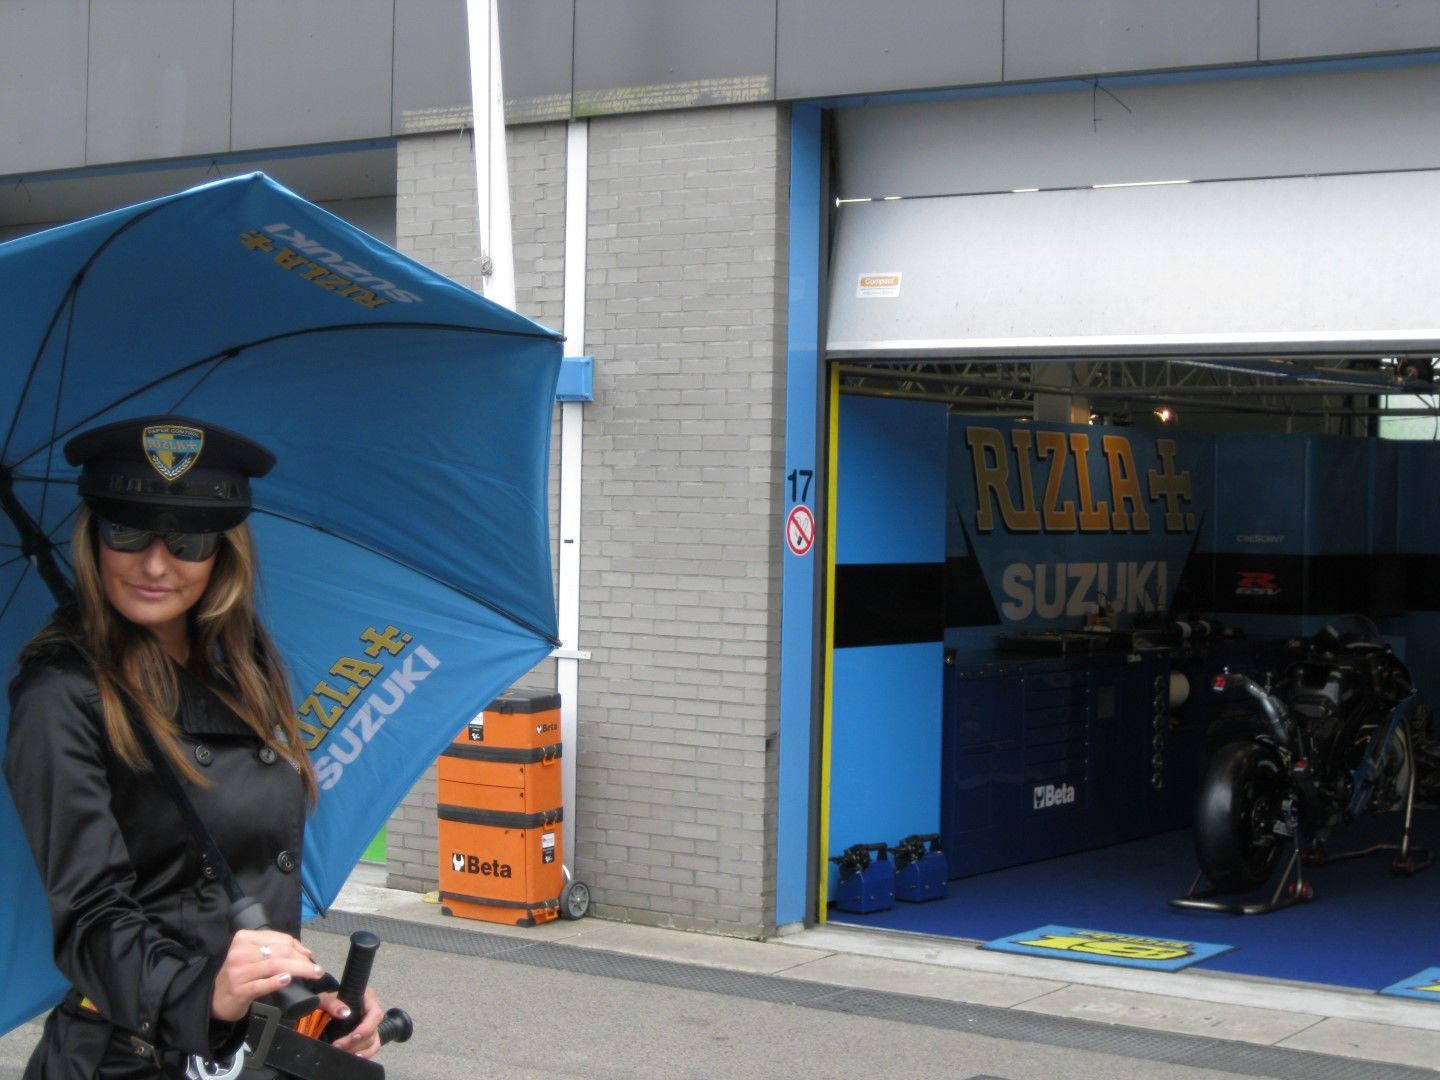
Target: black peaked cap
x,y
168,473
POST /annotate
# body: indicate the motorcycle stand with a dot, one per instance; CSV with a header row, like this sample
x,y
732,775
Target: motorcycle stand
x,y
1407,860
1289,890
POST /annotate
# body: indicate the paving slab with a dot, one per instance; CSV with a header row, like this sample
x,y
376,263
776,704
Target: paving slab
x,y
1369,1042
685,946
1157,1012
921,980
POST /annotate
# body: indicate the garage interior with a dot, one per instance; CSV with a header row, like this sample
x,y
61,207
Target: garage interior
x,y
1115,861
1197,270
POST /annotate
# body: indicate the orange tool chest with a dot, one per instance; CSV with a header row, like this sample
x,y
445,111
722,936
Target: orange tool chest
x,y
499,804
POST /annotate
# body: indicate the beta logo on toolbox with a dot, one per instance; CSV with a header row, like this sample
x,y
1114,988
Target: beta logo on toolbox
x,y
473,864
1048,795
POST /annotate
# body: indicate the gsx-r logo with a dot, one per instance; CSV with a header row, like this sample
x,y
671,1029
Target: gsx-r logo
x,y
1257,583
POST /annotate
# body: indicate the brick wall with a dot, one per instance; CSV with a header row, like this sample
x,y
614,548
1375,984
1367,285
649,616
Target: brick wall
x,y
680,570
680,579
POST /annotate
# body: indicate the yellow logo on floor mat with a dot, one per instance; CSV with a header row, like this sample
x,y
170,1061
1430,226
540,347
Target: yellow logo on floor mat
x,y
1114,946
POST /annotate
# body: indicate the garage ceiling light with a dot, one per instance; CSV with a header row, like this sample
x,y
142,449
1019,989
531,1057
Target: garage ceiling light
x,y
1141,183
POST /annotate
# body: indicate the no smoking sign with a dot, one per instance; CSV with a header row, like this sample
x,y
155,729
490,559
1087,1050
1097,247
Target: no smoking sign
x,y
800,530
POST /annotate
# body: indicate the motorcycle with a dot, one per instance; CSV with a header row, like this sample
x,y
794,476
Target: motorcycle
x,y
1330,740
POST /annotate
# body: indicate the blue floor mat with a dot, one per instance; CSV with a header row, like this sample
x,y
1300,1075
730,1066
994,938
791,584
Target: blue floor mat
x,y
1366,928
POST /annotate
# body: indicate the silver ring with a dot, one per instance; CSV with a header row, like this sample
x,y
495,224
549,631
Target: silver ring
x,y
264,952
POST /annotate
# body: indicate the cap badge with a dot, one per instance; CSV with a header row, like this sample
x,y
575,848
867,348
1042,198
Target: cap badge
x,y
172,449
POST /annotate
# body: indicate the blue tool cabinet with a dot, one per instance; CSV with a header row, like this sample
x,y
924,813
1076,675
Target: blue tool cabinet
x,y
1044,756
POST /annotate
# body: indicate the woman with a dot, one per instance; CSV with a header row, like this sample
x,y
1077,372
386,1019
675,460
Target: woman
x,y
161,653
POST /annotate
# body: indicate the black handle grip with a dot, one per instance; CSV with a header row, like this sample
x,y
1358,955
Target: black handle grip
x,y
358,962
294,1000
396,1027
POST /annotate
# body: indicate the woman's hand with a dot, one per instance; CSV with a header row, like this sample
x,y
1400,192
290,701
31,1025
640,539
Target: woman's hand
x,y
259,962
362,1041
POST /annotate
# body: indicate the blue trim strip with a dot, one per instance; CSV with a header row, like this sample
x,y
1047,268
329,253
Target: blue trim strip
x,y
577,379
800,483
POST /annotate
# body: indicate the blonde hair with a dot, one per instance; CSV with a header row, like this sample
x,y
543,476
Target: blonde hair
x,y
230,651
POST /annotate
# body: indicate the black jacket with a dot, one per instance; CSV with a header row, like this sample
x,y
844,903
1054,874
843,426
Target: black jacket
x,y
138,929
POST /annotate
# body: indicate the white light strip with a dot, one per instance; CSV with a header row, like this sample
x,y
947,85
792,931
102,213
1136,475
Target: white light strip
x,y
1421,339
1141,183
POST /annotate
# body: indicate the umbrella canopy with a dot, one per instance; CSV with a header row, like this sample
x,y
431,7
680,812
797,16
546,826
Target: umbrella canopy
x,y
403,535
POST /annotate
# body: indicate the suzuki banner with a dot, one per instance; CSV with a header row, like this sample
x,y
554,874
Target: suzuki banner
x,y
1066,522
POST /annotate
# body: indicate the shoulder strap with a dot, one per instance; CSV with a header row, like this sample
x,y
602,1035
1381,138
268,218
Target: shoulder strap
x,y
215,866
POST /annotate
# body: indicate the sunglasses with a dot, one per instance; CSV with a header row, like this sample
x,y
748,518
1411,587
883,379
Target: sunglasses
x,y
189,547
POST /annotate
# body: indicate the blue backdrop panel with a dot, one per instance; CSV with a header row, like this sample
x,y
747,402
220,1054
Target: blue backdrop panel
x,y
885,744
885,716
891,507
1416,514
1338,479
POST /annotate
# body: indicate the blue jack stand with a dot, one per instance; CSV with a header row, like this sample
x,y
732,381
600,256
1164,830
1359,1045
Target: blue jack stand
x,y
865,885
920,873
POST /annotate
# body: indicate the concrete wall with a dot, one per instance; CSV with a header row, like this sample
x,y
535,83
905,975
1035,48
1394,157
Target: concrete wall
x,y
92,82
676,785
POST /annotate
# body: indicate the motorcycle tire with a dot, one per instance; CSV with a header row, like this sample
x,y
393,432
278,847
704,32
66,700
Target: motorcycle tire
x,y
1235,815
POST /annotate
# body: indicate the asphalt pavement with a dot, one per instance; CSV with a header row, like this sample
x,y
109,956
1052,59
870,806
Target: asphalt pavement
x,y
593,998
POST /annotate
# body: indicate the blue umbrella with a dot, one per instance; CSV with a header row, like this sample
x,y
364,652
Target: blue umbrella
x,y
403,536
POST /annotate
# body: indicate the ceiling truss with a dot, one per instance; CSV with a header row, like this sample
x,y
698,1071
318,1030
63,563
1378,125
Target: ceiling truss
x,y
1338,395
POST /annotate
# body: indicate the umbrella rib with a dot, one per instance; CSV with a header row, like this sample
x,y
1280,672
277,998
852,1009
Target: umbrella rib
x,y
14,589
19,580
524,624
233,352
71,292
65,302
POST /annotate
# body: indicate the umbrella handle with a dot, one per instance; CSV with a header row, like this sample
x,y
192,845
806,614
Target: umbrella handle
x,y
294,1000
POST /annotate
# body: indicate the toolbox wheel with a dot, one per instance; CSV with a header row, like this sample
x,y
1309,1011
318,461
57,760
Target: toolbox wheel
x,y
575,900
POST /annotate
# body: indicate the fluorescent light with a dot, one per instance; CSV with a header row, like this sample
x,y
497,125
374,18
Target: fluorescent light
x,y
1141,183
1022,190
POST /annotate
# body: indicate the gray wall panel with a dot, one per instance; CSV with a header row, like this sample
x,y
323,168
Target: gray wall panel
x,y
1351,121
538,39
858,46
1261,266
432,66
159,79
42,85
1049,38
1301,28
639,55
302,75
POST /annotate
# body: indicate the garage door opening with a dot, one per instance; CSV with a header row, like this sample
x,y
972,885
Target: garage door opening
x,y
983,552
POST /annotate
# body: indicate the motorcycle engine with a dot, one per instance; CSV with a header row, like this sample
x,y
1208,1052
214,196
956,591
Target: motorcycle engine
x,y
1330,702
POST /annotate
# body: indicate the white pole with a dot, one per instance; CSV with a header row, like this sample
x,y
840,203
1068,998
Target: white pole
x,y
568,656
492,177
